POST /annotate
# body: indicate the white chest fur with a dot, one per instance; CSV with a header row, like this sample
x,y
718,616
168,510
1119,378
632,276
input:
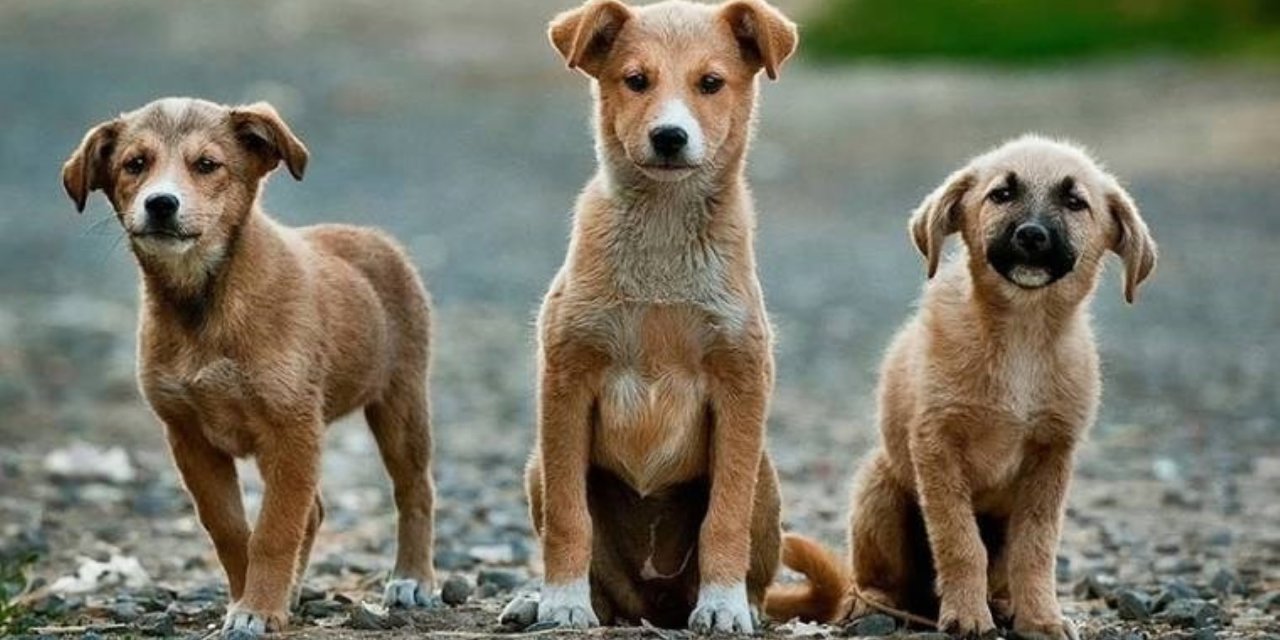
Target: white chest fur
x,y
661,253
1023,376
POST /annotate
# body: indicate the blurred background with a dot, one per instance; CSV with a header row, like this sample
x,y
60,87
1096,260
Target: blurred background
x,y
455,126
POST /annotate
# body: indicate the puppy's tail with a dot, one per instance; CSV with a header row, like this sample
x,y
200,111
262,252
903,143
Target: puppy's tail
x,y
823,597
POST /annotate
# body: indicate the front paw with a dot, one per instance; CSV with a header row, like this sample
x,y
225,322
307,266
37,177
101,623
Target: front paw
x,y
969,619
722,609
567,605
242,624
409,592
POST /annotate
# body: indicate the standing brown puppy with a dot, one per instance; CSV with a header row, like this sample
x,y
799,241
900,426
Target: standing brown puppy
x,y
253,336
650,486
983,397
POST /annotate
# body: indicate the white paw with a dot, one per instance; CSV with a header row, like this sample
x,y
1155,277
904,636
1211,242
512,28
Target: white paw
x,y
567,605
243,625
722,609
407,592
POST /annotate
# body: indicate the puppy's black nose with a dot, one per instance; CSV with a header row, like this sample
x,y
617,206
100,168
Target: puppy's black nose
x,y
161,208
1032,238
668,141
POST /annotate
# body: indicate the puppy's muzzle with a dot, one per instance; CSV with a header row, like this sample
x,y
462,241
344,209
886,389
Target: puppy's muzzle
x,y
1032,253
162,210
668,142
161,220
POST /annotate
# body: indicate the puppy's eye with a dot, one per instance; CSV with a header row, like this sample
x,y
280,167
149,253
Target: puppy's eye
x,y
1076,203
636,82
710,83
135,165
1001,195
205,165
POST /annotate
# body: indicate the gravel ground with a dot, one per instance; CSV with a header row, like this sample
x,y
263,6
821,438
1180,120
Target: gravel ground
x,y
453,126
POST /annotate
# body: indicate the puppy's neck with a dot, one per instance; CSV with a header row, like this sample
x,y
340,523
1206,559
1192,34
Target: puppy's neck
x,y
193,285
1044,316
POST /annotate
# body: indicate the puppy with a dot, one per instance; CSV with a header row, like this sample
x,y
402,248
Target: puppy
x,y
983,397
253,336
650,486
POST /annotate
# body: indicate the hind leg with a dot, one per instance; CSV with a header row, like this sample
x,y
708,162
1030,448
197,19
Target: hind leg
x,y
401,425
879,537
766,535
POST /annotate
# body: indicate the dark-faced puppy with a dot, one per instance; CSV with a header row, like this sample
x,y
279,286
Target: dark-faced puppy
x,y
253,336
983,397
650,486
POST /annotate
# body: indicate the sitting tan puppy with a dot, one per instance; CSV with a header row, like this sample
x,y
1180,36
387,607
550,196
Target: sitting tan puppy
x,y
253,336
650,485
983,397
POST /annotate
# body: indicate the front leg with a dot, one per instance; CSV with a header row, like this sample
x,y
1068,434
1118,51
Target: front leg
x,y
1034,528
564,443
211,479
946,501
740,384
289,461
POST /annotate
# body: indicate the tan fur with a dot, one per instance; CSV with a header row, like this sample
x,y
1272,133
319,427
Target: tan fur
x,y
822,596
257,335
983,396
655,353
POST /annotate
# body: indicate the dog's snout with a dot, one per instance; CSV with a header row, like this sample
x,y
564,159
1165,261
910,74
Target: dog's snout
x,y
161,208
668,141
1032,237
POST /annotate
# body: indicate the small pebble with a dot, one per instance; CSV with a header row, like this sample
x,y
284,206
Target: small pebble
x,y
155,624
368,618
1173,592
1192,614
521,612
874,625
1093,586
321,608
1227,583
126,611
456,590
1133,605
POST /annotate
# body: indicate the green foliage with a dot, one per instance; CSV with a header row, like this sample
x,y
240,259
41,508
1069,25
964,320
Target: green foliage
x,y
1039,30
14,582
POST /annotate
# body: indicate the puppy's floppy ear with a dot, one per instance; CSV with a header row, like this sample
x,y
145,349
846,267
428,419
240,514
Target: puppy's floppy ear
x,y
1132,241
263,132
584,36
88,169
939,216
766,37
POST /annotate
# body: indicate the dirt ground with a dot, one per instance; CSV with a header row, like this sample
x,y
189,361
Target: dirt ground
x,y
453,126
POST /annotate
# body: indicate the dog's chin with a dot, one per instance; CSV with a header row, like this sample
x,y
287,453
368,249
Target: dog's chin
x,y
164,244
666,172
1029,277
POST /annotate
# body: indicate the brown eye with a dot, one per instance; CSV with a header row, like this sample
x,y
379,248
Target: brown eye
x,y
1001,195
135,165
1076,203
636,82
206,166
710,83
